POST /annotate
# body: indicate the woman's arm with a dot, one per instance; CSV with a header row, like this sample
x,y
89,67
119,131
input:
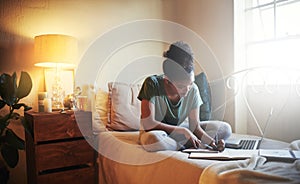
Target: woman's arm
x,y
194,125
148,123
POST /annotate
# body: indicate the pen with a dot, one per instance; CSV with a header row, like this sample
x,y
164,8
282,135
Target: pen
x,y
206,146
216,142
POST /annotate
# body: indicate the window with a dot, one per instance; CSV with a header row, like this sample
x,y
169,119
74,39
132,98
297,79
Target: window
x,y
267,65
268,38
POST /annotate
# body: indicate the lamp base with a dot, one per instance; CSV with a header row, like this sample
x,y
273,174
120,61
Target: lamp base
x,y
57,110
57,104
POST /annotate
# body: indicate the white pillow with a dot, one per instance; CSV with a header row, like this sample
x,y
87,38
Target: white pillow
x,y
125,107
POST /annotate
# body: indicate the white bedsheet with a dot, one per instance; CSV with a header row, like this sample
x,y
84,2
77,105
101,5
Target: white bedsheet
x,y
123,160
254,170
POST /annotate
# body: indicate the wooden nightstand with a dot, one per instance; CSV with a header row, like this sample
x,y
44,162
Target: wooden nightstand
x,y
58,151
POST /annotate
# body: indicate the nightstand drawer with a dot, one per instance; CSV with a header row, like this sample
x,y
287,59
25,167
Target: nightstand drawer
x,y
63,154
61,126
76,176
57,151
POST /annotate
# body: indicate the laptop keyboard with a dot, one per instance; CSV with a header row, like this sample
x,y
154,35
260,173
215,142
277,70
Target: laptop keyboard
x,y
247,144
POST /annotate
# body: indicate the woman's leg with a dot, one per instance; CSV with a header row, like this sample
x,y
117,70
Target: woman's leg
x,y
157,140
216,129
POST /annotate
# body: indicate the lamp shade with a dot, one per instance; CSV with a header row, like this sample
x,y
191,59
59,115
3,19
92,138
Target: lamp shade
x,y
52,50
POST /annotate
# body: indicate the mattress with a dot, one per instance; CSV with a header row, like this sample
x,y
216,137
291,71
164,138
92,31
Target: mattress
x,y
123,160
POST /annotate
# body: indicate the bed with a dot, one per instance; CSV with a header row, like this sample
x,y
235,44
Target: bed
x,y
123,160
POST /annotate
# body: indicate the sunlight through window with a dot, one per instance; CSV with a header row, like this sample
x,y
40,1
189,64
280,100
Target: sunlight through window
x,y
271,40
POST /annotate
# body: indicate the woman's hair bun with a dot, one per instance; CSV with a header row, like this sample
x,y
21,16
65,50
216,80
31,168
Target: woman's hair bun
x,y
179,50
179,62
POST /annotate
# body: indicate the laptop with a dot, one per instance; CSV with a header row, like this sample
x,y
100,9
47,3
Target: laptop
x,y
248,143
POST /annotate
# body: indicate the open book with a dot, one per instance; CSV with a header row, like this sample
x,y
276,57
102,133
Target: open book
x,y
234,154
227,154
199,150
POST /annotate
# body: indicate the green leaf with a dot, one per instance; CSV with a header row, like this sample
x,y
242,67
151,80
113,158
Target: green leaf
x,y
13,140
1,83
10,155
18,106
7,88
2,104
27,108
14,77
25,85
4,121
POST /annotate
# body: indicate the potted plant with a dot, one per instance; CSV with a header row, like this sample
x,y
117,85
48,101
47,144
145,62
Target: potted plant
x,y
11,94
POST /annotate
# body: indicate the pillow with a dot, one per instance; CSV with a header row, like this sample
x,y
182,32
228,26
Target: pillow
x,y
125,107
102,109
205,93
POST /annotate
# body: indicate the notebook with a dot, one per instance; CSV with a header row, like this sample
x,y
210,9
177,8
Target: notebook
x,y
227,154
281,155
249,143
284,155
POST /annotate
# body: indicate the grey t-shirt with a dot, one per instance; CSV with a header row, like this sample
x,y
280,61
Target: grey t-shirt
x,y
153,90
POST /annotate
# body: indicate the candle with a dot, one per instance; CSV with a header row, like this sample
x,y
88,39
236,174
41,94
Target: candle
x,y
47,105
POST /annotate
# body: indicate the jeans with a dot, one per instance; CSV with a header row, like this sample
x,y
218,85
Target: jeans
x,y
158,140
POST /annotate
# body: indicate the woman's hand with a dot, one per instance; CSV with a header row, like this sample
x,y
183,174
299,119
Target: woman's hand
x,y
189,136
220,146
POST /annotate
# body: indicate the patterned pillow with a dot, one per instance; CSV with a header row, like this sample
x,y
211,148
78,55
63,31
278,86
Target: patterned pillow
x,y
100,113
205,93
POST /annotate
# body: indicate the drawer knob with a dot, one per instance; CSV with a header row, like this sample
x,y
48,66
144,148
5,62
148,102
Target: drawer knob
x,y
70,132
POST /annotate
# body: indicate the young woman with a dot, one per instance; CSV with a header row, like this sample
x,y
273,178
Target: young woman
x,y
170,106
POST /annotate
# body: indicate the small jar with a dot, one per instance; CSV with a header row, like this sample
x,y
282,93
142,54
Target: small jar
x,y
41,97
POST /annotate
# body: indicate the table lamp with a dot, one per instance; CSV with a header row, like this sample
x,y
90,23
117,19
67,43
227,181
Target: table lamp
x,y
58,52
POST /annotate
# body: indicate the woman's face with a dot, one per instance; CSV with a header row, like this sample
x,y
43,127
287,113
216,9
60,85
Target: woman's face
x,y
183,86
